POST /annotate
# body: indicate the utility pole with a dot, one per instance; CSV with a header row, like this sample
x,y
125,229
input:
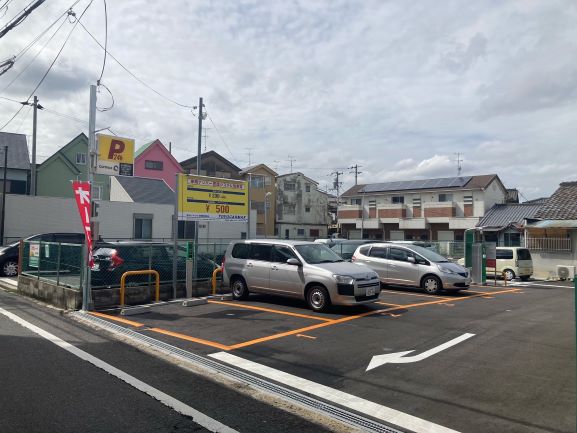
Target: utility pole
x,y
86,296
291,160
4,194
198,169
458,159
248,151
205,136
337,186
356,171
33,171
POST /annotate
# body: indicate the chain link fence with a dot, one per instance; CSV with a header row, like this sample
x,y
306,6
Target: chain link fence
x,y
56,262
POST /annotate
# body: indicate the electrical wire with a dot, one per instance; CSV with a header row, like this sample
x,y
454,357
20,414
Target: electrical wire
x,y
105,43
220,135
33,58
133,75
49,68
17,20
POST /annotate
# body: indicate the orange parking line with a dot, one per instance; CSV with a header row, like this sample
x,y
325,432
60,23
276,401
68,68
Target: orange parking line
x,y
118,319
189,338
388,304
270,310
349,318
411,294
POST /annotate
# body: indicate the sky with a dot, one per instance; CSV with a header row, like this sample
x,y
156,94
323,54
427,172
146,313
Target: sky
x,y
400,89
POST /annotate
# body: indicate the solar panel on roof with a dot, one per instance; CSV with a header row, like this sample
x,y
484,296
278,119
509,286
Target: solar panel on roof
x,y
444,182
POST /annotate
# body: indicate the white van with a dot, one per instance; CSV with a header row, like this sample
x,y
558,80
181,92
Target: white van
x,y
513,262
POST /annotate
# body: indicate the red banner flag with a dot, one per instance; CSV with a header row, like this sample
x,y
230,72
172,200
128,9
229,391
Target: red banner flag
x,y
82,195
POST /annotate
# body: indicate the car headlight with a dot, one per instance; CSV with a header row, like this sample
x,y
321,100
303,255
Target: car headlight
x,y
445,270
344,279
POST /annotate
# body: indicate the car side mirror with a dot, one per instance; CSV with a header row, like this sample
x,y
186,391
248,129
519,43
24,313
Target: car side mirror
x,y
411,260
294,262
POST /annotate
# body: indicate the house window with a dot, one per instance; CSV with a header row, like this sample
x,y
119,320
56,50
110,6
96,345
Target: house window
x,y
307,208
314,233
186,230
358,201
257,181
96,192
153,165
308,187
468,199
372,203
289,209
512,239
416,202
398,199
300,232
258,206
445,197
142,226
290,186
81,158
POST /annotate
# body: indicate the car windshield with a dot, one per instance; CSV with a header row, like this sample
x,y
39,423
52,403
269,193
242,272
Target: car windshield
x,y
346,248
317,253
429,255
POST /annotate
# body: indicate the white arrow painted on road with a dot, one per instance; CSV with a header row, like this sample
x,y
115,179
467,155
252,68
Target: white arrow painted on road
x,y
400,358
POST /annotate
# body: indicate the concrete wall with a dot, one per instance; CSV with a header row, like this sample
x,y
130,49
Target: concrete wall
x,y
545,262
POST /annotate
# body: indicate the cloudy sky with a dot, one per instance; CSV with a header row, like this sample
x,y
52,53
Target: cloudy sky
x,y
396,87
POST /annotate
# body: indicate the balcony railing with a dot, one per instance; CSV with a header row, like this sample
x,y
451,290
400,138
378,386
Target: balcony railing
x,y
548,244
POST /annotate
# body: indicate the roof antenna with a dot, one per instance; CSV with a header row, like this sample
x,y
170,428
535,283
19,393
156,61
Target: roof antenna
x,y
458,160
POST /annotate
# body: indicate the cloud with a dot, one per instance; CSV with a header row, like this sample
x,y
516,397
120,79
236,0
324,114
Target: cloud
x,y
394,87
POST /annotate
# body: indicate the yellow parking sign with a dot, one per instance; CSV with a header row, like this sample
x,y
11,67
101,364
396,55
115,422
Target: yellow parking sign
x,y
212,198
115,155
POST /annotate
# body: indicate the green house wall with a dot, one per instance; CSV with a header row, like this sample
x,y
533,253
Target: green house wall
x,y
54,175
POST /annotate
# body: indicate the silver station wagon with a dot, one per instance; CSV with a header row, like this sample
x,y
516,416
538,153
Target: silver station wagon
x,y
412,265
304,270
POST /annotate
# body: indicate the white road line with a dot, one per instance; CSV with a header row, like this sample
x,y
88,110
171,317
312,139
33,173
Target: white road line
x,y
528,284
198,417
350,401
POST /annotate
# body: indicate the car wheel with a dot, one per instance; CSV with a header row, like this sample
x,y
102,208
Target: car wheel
x,y
318,298
10,268
509,274
239,289
525,278
432,285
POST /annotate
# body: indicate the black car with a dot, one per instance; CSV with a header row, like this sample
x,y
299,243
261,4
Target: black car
x,y
346,249
9,253
112,259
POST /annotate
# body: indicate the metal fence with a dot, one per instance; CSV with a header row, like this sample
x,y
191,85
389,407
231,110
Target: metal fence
x,y
548,244
62,263
56,262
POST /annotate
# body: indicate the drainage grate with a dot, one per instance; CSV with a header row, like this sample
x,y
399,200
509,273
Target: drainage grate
x,y
310,403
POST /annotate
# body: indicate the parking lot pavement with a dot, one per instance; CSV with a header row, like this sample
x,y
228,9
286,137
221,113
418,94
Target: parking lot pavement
x,y
488,359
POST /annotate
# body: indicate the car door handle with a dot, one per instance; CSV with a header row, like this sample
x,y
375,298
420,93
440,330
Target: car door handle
x,y
249,265
274,268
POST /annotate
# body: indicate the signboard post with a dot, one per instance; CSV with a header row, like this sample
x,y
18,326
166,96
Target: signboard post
x,y
491,257
115,155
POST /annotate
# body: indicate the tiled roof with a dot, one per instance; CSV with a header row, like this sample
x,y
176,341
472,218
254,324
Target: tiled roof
x,y
191,162
145,190
352,191
501,215
562,205
17,150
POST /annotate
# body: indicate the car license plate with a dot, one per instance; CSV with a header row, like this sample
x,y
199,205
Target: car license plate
x,y
95,267
370,291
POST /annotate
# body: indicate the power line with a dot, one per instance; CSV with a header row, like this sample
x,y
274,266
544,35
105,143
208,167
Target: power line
x,y
132,74
220,135
105,43
50,67
20,18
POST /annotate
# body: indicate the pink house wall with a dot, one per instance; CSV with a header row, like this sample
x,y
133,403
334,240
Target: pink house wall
x,y
157,152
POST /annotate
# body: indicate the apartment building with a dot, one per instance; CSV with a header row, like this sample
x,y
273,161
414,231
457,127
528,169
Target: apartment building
x,y
428,209
261,179
302,210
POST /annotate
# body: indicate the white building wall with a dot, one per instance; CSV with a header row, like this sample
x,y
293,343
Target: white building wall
x,y
545,262
493,195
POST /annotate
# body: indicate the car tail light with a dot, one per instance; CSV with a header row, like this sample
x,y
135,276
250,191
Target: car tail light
x,y
353,258
116,260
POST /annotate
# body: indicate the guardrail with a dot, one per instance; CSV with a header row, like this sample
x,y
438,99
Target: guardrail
x,y
145,272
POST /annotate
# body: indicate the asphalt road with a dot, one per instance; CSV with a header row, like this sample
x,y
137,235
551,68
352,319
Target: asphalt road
x,y
45,388
514,374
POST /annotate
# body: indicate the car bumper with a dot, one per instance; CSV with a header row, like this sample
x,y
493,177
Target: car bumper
x,y
456,282
358,294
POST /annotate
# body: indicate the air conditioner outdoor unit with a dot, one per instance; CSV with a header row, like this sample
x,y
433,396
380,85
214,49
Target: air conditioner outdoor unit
x,y
565,272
